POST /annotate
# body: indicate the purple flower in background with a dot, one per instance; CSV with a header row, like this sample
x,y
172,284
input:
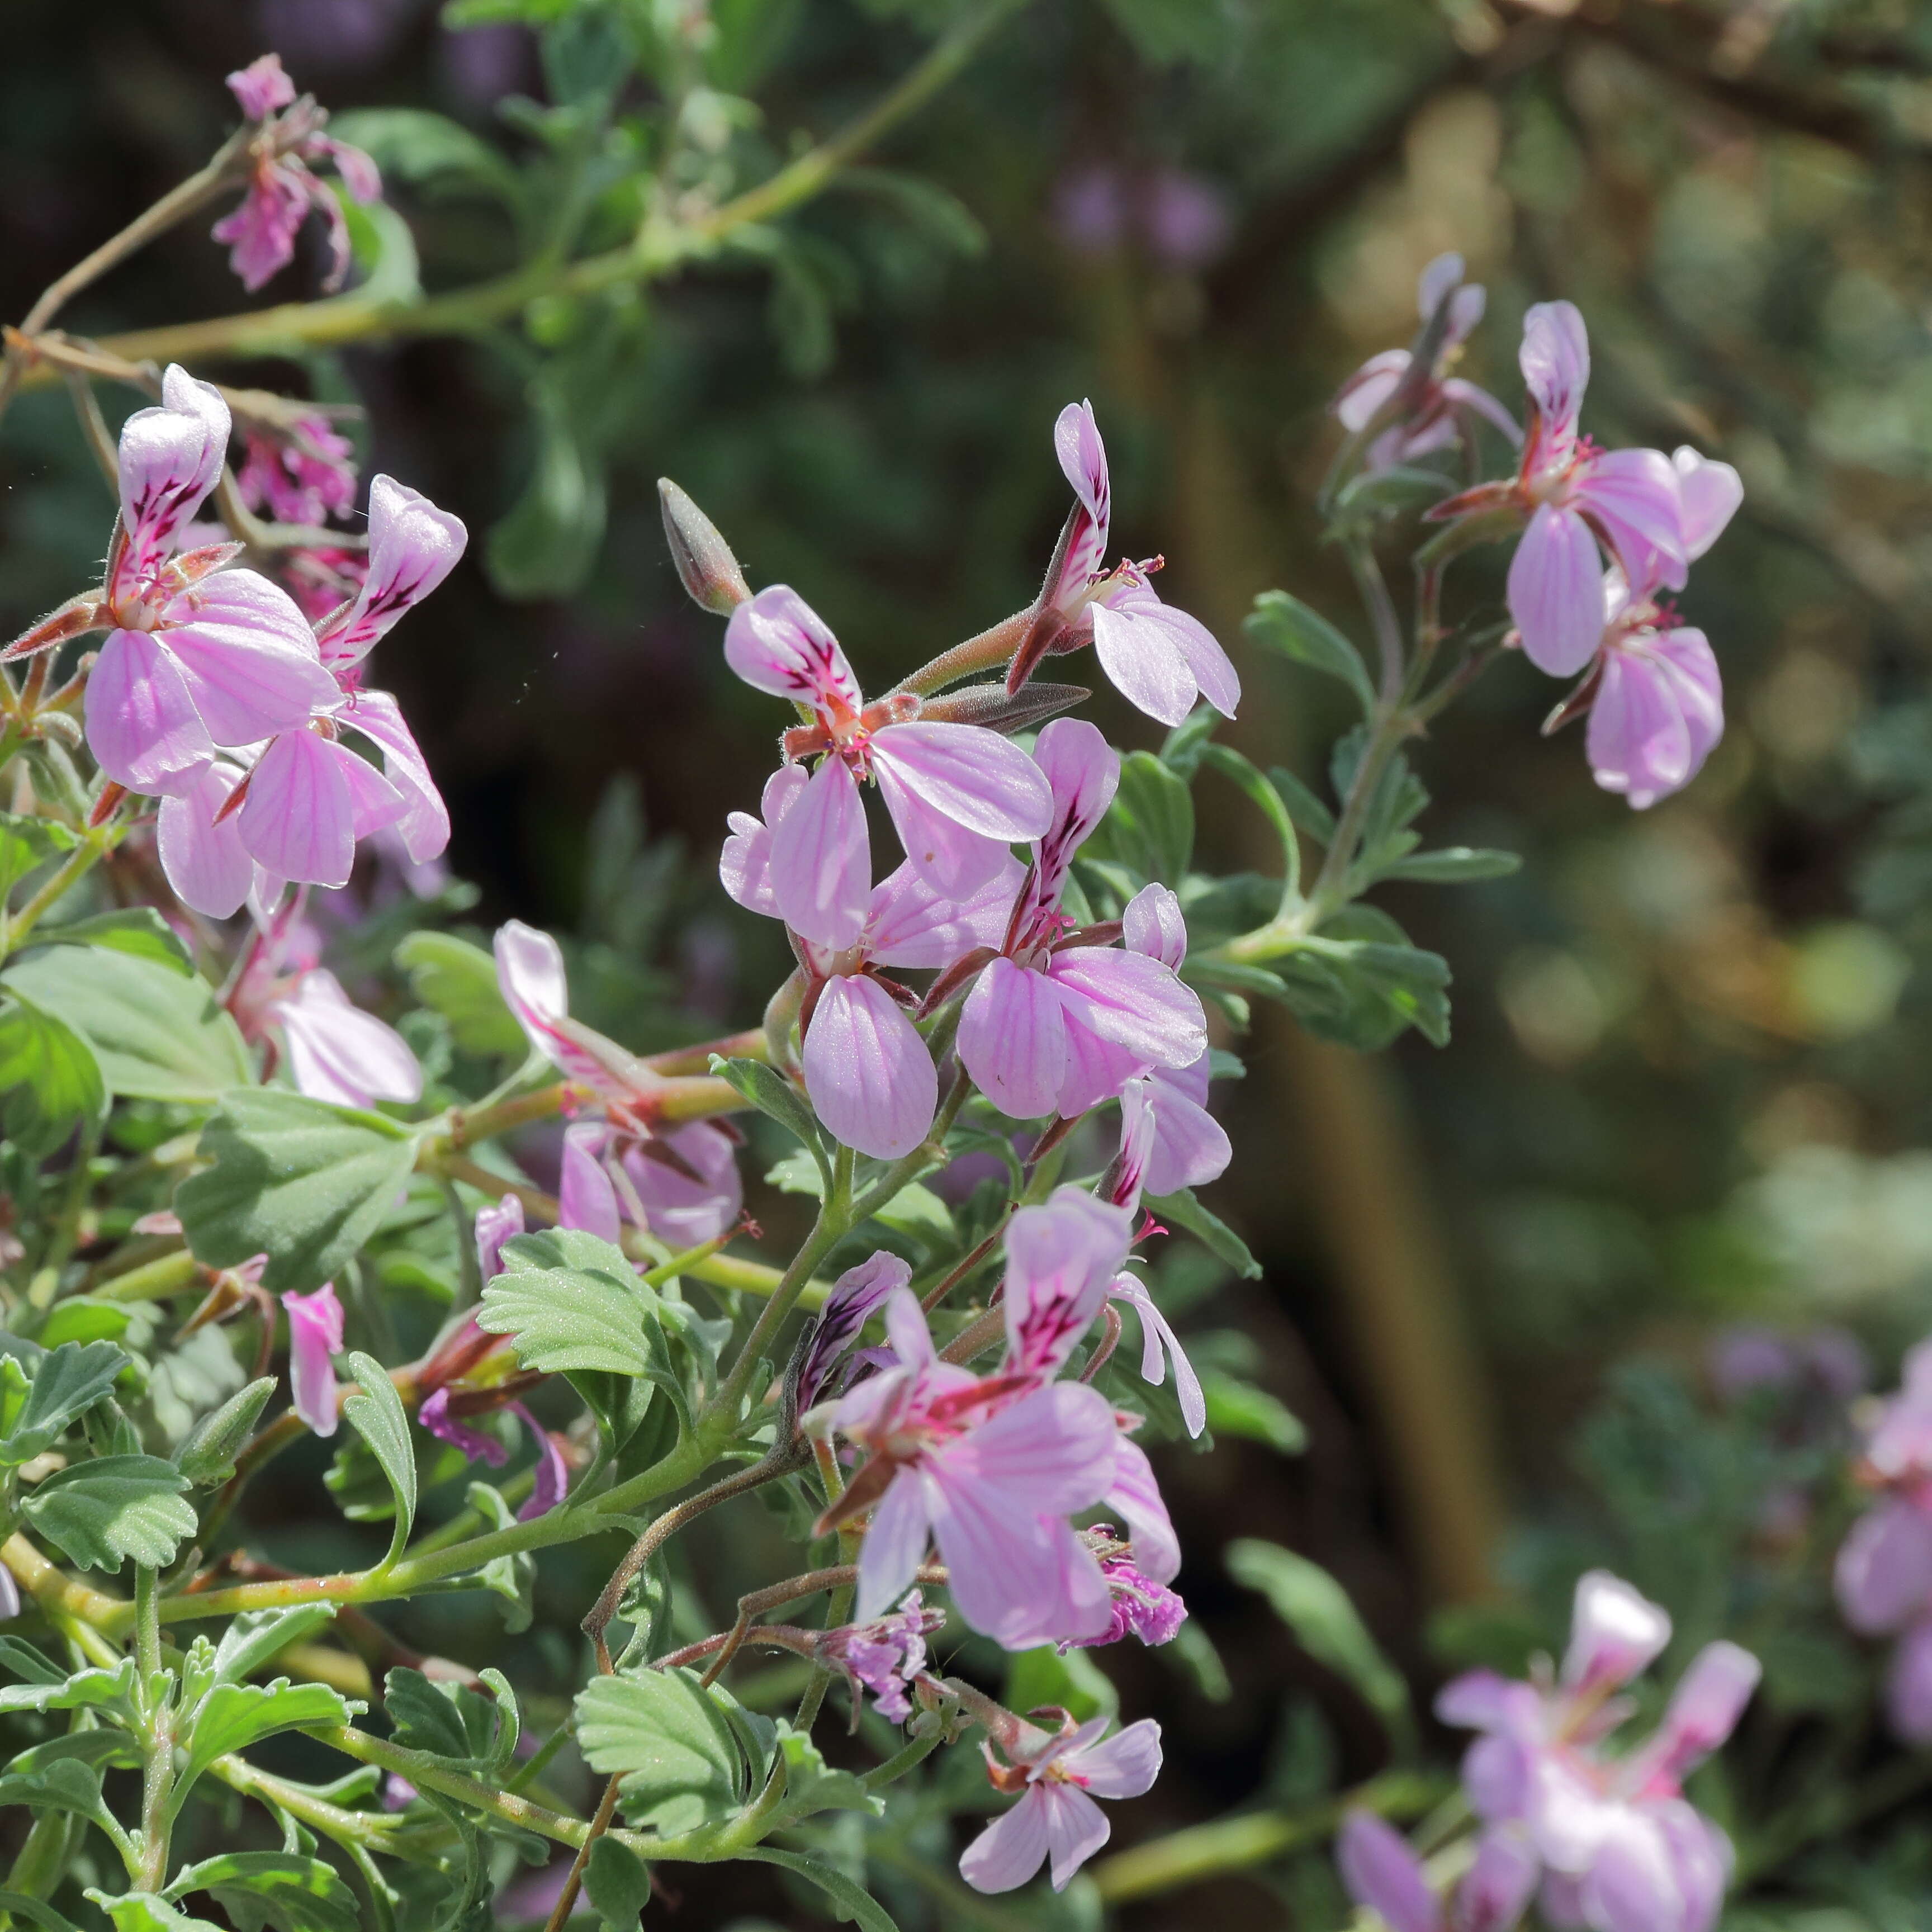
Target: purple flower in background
x,y
1141,1607
315,1338
857,1296
289,143
1056,1022
1620,1849
1056,1822
1380,1871
885,1655
1158,658
1440,408
1182,219
439,1415
338,1053
958,794
305,474
196,656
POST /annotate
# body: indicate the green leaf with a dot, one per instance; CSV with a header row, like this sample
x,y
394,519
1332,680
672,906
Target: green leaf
x,y
89,1689
445,1721
1149,828
675,1749
851,1899
1182,751
1454,865
1238,1408
139,930
812,1785
427,150
157,1035
273,1888
572,1302
618,1882
1207,1228
547,543
102,1512
941,217
207,1453
85,1318
1287,625
305,1183
105,1747
63,1784
234,1716
1362,989
1327,1625
1268,801
146,1911
30,1665
375,1412
776,1098
1037,1677
68,1382
1303,807
1389,493
49,1077
512,1577
255,1637
458,980
34,1912
27,843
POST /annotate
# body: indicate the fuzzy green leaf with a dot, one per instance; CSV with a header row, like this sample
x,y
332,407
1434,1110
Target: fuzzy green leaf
x,y
102,1512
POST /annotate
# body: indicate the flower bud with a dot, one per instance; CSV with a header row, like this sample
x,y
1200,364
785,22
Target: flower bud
x,y
208,1456
705,565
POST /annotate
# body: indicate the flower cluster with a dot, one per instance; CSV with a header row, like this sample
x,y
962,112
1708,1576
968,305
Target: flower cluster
x,y
1608,1840
1885,1569
1607,535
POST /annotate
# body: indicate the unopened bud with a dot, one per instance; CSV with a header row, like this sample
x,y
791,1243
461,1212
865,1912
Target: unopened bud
x,y
208,1456
705,565
991,704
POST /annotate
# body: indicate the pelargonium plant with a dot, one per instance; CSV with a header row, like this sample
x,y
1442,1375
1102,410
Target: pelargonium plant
x,y
224,1134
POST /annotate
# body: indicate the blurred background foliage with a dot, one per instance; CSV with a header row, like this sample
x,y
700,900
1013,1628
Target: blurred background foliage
x,y
1688,1084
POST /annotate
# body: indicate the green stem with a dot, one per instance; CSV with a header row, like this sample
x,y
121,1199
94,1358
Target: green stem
x,y
168,1275
427,1775
903,1760
81,860
154,1697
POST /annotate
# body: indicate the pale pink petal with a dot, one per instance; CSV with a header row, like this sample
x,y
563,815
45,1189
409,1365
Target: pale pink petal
x,y
870,1076
261,87
1380,1871
1908,1686
1096,1070
496,1224
1083,771
1076,1828
1369,387
1469,396
338,1053
855,1297
1697,686
1061,1257
374,803
1190,1147
553,1472
974,777
1210,666
1124,1765
360,175
1153,923
207,864
1496,1889
299,820
1633,497
1135,1494
1631,1884
776,642
413,547
141,725
1702,1858
745,865
1709,493
424,822
1083,461
1556,592
821,859
1616,1633
1705,1708
315,1335
1442,276
1159,1345
894,1547
1638,740
1012,1848
1021,1580
1556,363
585,1198
1884,1573
681,1211
1143,661
248,655
1050,1452
261,231
1012,1040
1133,1002
530,977
169,458
908,923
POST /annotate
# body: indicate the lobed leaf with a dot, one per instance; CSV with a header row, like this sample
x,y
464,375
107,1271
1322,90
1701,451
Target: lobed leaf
x,y
103,1512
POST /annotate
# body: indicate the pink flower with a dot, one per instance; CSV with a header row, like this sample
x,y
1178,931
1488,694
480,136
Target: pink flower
x,y
885,1655
1058,1021
1160,658
196,656
683,1180
315,1338
992,1466
304,475
1160,1346
869,1074
1441,407
1141,1607
338,1053
857,1296
1573,495
437,1415
1056,1821
958,794
282,188
1381,1872
1620,1850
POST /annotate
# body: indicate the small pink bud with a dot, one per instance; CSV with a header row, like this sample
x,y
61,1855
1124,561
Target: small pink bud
x,y
1616,1633
705,565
